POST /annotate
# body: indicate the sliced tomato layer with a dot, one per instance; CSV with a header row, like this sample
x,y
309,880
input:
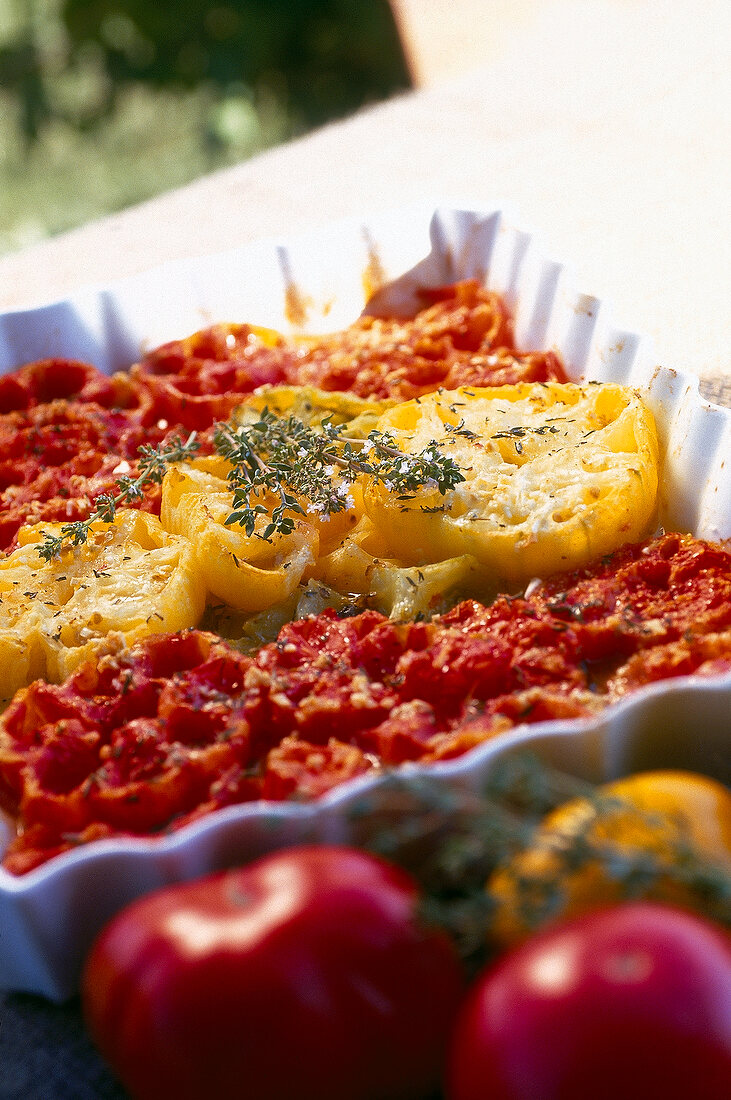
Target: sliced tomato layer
x,y
149,738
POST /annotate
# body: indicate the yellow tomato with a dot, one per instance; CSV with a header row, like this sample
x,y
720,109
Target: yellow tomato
x,y
573,863
247,572
129,579
361,565
555,475
312,405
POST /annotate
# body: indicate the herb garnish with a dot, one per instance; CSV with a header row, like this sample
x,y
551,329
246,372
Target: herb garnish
x,y
518,432
153,465
283,458
291,460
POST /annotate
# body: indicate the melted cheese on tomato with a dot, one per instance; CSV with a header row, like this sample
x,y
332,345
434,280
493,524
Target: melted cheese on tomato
x,y
555,475
130,579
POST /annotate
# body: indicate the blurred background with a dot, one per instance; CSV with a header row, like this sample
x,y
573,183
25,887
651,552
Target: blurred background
x,y
104,103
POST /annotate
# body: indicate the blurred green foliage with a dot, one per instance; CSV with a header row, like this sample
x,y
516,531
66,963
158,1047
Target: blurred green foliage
x,y
106,102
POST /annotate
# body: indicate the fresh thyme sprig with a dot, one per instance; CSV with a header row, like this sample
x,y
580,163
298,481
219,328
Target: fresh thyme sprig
x,y
152,466
293,461
283,458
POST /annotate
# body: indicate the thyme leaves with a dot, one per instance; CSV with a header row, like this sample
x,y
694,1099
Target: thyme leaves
x,y
295,462
280,467
153,464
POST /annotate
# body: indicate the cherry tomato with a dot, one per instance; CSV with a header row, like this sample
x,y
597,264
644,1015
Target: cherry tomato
x,y
307,974
630,1002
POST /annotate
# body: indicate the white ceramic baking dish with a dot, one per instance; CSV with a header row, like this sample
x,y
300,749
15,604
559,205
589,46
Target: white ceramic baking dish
x,y
321,282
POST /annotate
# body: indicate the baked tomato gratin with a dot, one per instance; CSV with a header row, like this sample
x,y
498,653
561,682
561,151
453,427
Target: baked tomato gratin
x,y
254,567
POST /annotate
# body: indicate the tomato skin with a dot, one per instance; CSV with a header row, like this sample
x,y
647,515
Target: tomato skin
x,y
630,1002
306,974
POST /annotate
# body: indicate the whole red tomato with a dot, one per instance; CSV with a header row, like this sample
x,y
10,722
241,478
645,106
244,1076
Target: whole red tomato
x,y
629,1003
304,975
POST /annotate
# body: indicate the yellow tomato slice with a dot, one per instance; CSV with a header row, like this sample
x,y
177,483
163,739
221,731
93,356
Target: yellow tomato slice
x,y
129,579
555,475
312,405
247,572
357,566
